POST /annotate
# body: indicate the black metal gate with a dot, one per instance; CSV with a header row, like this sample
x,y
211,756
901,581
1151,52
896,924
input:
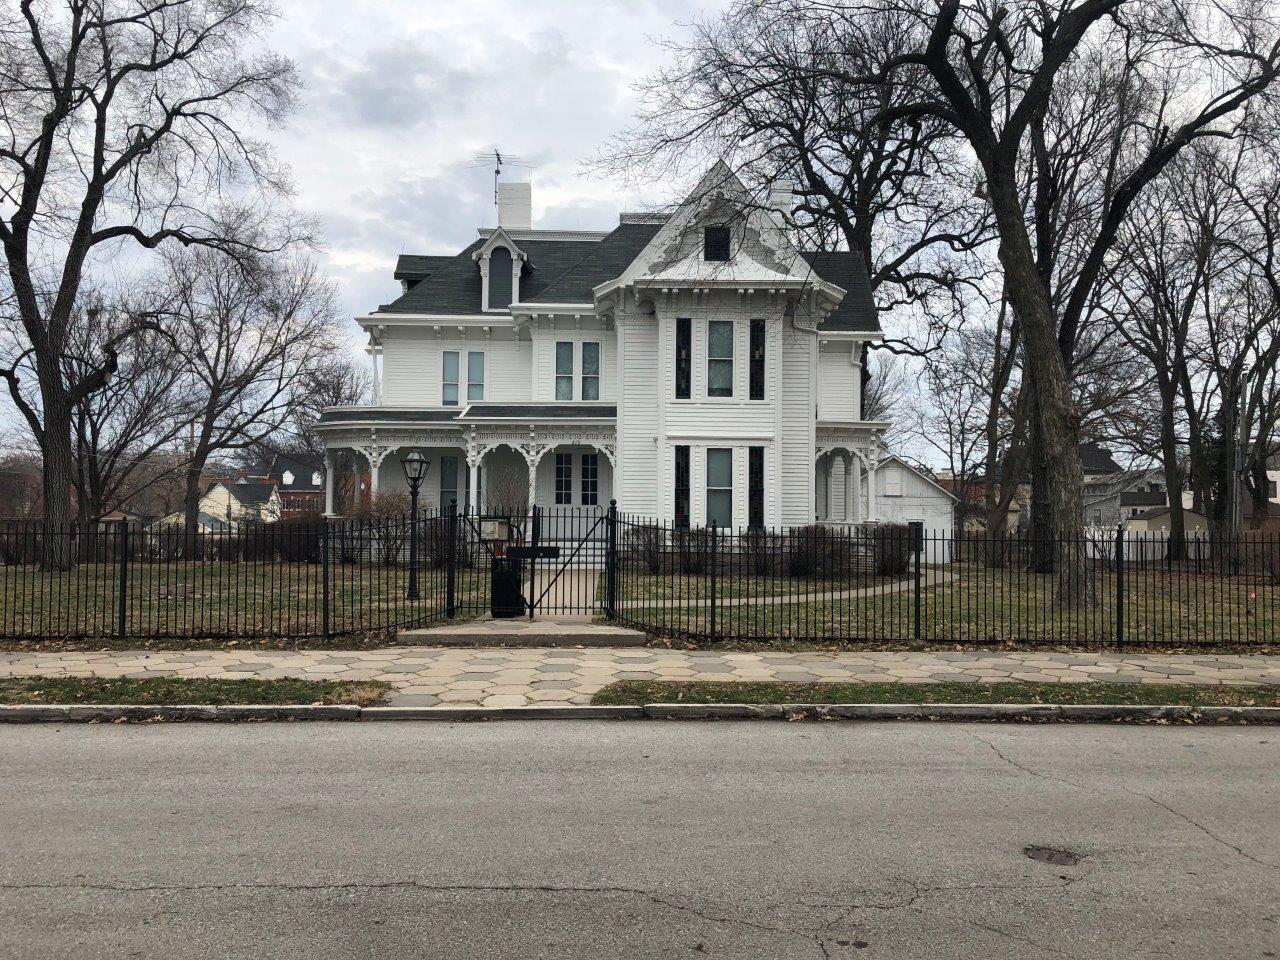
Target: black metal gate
x,y
550,562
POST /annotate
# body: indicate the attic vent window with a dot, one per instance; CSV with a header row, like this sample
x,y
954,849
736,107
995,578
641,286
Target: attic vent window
x,y
715,243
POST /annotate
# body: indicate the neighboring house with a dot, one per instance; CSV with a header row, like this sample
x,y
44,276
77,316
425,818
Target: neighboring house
x,y
698,367
1156,520
299,481
1113,494
228,505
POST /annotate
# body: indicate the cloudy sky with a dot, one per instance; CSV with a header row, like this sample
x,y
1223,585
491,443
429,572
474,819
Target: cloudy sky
x,y
402,96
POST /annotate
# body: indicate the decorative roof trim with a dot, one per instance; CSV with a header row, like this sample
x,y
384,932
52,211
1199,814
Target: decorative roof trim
x,y
486,232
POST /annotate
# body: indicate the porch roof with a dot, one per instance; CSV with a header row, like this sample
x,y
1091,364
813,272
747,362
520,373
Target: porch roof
x,y
535,412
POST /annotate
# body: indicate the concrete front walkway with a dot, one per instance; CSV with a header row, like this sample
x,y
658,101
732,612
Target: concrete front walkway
x,y
426,676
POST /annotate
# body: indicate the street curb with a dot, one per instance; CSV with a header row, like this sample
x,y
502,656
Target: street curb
x,y
972,712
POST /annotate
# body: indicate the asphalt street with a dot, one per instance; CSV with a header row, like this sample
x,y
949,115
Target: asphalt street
x,y
632,839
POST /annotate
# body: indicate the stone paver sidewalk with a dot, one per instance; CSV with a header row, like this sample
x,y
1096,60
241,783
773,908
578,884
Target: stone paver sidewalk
x,y
424,676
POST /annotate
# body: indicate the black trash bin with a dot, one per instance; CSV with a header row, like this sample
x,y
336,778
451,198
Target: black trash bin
x,y
505,597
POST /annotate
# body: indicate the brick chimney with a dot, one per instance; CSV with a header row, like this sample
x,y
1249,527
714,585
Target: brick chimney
x,y
515,206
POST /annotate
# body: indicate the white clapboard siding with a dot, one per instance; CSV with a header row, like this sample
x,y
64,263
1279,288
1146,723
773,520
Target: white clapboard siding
x,y
413,367
837,384
796,442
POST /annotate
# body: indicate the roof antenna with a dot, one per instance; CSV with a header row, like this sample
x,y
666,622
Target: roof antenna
x,y
499,160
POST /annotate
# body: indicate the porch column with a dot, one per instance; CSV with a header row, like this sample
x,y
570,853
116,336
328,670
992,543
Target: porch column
x,y
473,481
330,465
848,487
855,503
872,513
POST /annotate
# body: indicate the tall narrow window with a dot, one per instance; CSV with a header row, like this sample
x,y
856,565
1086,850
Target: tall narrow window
x,y
448,481
684,357
755,486
590,479
449,378
564,478
757,360
682,487
715,243
720,358
564,370
475,375
719,488
591,371
499,279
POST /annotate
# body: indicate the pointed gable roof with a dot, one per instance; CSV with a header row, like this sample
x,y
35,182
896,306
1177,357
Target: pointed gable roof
x,y
763,254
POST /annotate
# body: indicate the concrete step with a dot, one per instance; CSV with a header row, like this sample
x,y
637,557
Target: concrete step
x,y
519,632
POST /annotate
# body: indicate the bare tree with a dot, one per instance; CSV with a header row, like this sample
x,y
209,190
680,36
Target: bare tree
x,y
125,433
759,89
251,335
122,123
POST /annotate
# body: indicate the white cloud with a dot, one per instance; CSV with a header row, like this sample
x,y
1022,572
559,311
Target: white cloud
x,y
402,96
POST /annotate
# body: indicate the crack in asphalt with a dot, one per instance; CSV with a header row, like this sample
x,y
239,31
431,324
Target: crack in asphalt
x,y
1136,793
1018,938
654,898
1023,767
1199,826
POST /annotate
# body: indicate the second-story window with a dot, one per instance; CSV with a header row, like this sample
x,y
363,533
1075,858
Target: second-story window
x,y
757,360
684,357
449,379
591,371
564,370
720,358
475,375
715,243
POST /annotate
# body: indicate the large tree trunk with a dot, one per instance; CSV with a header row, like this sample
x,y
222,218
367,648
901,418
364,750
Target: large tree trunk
x,y
1055,416
1177,547
192,494
59,467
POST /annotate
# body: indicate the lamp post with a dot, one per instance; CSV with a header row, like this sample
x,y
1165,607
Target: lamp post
x,y
415,471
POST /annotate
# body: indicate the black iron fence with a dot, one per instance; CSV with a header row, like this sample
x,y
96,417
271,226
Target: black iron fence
x,y
887,583
821,583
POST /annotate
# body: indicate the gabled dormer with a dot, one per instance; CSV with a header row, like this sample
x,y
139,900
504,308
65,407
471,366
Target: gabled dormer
x,y
501,262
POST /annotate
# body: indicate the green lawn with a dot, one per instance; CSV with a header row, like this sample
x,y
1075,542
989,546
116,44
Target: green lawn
x,y
168,691
731,585
640,692
222,599
982,606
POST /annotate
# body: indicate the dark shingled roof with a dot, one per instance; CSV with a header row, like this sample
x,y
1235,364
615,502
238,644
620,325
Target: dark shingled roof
x,y
1143,498
606,261
857,311
540,411
567,271
374,414
455,286
1097,459
249,492
415,268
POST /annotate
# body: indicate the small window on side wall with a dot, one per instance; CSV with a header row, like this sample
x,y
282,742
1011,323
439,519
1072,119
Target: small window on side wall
x,y
715,244
449,379
590,370
564,370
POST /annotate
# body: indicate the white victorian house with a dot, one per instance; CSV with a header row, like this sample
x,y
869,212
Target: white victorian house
x,y
697,367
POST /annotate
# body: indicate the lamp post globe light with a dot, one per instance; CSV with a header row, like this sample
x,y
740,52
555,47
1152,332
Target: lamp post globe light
x,y
415,471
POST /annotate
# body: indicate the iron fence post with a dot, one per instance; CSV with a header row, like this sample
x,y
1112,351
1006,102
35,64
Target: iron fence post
x,y
1120,585
325,624
611,563
711,560
536,524
451,561
122,611
917,548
